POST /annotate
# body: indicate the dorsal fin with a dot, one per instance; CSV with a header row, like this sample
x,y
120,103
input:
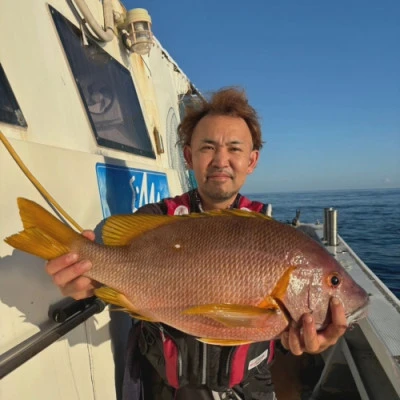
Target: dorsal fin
x,y
235,212
120,230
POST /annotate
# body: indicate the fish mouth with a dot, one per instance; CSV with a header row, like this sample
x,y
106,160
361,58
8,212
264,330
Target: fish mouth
x,y
351,319
358,314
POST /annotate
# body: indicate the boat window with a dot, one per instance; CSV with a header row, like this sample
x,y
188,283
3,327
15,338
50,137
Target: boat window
x,y
9,108
107,92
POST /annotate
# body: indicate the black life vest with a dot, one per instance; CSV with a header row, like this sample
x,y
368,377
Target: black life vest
x,y
180,359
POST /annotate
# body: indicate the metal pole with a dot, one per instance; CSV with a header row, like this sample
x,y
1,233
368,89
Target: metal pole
x,y
326,222
16,356
332,228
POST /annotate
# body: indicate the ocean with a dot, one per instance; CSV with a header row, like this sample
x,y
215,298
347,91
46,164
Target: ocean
x,y
368,220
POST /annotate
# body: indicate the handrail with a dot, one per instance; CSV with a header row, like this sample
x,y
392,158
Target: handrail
x,y
24,351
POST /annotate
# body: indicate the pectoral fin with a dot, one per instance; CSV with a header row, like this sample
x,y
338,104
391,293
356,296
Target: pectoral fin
x,y
235,315
118,299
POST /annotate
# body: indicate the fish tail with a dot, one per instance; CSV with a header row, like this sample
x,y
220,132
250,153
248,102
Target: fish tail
x,y
44,235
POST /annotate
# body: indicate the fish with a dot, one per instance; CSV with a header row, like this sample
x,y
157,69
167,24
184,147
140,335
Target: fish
x,y
227,277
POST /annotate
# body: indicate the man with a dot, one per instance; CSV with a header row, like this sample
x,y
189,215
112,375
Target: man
x,y
221,141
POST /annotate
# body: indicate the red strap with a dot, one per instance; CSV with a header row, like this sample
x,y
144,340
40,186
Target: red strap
x,y
171,362
271,351
238,365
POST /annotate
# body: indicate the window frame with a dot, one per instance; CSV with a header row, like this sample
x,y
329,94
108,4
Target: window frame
x,y
147,149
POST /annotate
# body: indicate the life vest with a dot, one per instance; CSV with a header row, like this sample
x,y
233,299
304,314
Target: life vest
x,y
190,202
181,359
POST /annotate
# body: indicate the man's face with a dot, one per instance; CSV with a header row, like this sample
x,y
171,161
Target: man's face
x,y
221,155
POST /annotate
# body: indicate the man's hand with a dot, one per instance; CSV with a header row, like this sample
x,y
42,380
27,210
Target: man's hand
x,y
311,341
67,272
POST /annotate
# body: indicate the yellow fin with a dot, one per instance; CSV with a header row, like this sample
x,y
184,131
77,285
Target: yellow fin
x,y
44,235
223,342
36,242
34,215
234,315
269,303
118,299
120,230
133,315
141,317
235,212
281,286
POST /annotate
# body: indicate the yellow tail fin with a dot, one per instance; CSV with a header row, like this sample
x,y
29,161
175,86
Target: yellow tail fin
x,y
44,235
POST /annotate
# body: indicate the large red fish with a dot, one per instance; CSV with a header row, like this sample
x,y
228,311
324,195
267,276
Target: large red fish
x,y
226,277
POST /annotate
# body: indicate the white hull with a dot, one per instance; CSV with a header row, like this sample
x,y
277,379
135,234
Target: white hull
x,y
60,149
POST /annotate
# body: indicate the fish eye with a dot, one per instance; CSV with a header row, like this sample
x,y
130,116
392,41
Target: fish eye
x,y
334,280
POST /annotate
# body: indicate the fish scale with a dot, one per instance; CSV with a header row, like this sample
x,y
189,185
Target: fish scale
x,y
226,275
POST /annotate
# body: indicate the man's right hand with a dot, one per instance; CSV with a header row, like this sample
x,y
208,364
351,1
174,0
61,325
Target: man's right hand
x,y
67,272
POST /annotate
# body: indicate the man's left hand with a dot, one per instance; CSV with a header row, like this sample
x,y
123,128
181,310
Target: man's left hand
x,y
311,341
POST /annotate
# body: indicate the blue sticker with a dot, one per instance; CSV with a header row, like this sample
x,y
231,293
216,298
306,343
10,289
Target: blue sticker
x,y
123,190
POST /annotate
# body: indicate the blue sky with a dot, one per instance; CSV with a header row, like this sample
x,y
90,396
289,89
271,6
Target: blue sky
x,y
323,75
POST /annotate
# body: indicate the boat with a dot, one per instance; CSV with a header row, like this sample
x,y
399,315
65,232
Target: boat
x,y
90,102
365,363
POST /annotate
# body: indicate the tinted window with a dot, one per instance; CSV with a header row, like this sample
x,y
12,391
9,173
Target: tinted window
x,y
107,91
9,108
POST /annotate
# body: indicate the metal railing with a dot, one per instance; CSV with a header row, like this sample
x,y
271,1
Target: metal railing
x,y
66,318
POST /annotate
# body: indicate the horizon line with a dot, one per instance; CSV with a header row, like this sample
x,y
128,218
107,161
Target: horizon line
x,y
247,193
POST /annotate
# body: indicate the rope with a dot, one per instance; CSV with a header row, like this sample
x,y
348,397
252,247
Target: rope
x,y
36,183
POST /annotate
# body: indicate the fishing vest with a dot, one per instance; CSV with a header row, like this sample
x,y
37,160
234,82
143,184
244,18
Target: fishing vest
x,y
180,359
190,202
